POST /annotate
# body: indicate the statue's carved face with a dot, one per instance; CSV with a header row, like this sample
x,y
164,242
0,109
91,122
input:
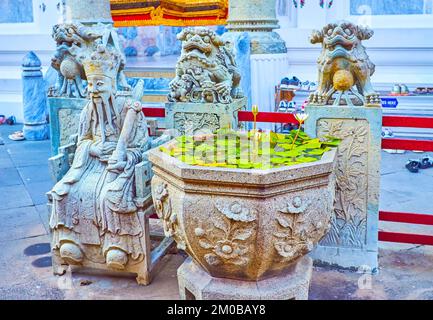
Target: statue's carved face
x,y
100,87
200,43
342,38
66,34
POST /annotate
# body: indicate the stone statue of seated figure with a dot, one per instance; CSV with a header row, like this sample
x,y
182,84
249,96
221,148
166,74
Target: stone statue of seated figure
x,y
95,206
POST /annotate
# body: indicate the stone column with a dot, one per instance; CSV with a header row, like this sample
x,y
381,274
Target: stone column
x,y
269,58
353,239
259,18
88,12
34,99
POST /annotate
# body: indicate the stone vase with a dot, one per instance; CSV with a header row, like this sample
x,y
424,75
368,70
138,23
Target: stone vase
x,y
248,225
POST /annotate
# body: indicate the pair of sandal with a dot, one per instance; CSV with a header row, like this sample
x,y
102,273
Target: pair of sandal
x,y
17,136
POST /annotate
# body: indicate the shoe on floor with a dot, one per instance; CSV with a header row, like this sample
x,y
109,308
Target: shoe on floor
x,y
404,89
396,89
17,136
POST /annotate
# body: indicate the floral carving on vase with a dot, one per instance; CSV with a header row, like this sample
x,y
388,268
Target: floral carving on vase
x,y
227,236
349,223
164,210
292,238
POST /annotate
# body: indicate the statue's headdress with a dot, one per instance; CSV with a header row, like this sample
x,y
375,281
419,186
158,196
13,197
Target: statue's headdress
x,y
103,62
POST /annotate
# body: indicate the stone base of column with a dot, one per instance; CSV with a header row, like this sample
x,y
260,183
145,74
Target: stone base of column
x,y
347,258
353,239
192,118
267,70
36,132
268,42
196,284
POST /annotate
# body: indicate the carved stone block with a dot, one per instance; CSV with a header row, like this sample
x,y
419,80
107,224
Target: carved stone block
x,y
64,120
353,240
192,118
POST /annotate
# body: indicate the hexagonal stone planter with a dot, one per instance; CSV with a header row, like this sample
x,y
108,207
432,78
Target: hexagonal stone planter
x,y
244,225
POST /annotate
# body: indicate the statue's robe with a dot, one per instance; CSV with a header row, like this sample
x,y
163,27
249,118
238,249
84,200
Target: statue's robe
x,y
93,207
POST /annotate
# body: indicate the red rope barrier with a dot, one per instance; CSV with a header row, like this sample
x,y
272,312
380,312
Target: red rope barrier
x,y
412,218
405,238
154,112
408,122
276,117
407,144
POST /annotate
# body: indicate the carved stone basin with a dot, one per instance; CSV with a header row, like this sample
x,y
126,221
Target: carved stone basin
x,y
244,224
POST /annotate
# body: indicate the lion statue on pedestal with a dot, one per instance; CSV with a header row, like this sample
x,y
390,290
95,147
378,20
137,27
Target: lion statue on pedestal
x,y
206,71
344,64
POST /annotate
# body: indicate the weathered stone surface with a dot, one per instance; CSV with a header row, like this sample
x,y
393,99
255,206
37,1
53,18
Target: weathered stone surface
x,y
343,65
206,71
196,284
352,241
34,99
244,224
192,118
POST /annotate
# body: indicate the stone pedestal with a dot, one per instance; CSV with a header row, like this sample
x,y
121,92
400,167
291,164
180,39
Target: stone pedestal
x,y
353,239
193,118
196,284
34,99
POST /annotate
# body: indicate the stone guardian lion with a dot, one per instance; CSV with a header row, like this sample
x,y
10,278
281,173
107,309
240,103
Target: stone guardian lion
x,y
344,64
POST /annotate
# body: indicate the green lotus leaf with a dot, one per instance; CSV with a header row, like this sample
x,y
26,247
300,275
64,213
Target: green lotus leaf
x,y
288,154
306,159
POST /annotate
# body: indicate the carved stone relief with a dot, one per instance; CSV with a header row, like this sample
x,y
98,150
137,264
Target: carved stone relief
x,y
164,210
68,121
350,220
190,123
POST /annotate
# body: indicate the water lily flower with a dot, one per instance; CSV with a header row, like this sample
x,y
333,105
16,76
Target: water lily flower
x,y
301,117
255,111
